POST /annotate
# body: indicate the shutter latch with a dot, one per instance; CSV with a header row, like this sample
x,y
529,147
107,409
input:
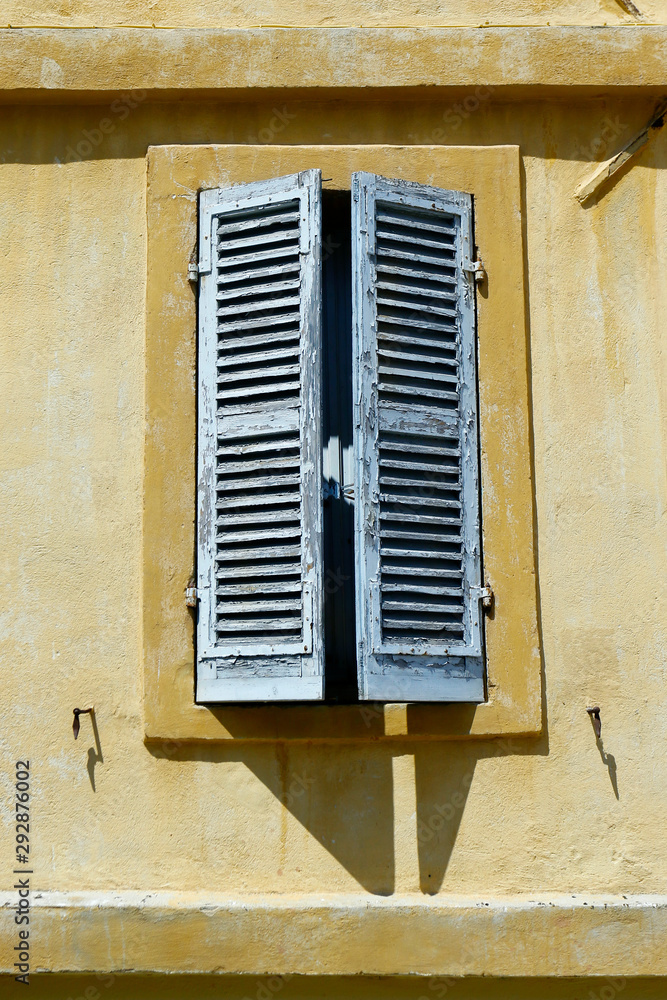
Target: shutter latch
x,y
333,491
475,268
485,595
330,491
192,595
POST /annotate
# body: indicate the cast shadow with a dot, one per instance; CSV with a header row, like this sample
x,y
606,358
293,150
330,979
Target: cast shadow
x,y
341,793
444,774
62,131
94,753
609,761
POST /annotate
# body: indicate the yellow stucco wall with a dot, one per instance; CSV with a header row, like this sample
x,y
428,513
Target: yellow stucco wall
x,y
533,816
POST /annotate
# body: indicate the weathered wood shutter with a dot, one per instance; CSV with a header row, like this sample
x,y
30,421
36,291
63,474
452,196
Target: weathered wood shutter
x,y
259,454
417,503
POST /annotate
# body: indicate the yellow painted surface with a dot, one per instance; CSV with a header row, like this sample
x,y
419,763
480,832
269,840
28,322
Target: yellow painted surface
x,y
57,66
485,820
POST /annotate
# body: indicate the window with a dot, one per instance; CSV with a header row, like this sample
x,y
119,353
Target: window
x,y
361,366
173,708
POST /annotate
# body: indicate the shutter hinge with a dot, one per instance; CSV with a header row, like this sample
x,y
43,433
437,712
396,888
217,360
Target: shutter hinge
x,y
193,266
192,596
196,269
475,268
485,595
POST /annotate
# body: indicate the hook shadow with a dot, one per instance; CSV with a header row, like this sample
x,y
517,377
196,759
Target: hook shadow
x,y
94,753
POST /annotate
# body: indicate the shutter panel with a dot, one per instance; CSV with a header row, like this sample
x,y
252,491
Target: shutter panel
x,y
417,521
260,465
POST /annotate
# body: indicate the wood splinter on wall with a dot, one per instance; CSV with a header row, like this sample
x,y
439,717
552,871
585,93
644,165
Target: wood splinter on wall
x,y
629,7
586,191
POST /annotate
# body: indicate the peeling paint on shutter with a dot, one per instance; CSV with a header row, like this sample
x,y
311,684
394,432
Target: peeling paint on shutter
x,y
417,521
260,477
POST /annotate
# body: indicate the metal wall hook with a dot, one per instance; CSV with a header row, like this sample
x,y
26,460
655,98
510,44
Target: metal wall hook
x,y
594,713
76,725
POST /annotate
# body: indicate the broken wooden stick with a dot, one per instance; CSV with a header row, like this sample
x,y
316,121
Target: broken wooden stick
x,y
609,167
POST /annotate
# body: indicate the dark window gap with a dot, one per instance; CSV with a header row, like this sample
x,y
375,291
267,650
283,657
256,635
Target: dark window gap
x,y
339,611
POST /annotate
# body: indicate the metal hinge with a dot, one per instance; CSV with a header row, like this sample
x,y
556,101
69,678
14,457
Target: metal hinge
x,y
193,266
192,595
475,268
485,595
196,270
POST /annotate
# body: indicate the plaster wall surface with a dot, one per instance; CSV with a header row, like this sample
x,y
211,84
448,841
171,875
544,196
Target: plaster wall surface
x,y
481,819
541,815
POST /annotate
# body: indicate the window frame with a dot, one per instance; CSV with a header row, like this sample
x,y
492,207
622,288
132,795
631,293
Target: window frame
x,y
513,706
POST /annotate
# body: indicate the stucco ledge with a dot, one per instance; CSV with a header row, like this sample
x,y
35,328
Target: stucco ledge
x,y
89,64
200,932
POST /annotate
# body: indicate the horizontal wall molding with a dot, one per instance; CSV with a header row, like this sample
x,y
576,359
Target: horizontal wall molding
x,y
201,932
89,63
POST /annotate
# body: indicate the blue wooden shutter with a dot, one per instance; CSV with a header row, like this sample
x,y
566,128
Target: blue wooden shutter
x,y
259,452
417,503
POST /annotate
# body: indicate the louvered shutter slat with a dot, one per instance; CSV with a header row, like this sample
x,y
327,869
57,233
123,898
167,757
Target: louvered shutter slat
x,y
273,569
260,560
417,525
258,323
262,587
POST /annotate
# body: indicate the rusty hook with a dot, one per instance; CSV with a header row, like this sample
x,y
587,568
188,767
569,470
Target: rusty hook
x,y
594,713
76,725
